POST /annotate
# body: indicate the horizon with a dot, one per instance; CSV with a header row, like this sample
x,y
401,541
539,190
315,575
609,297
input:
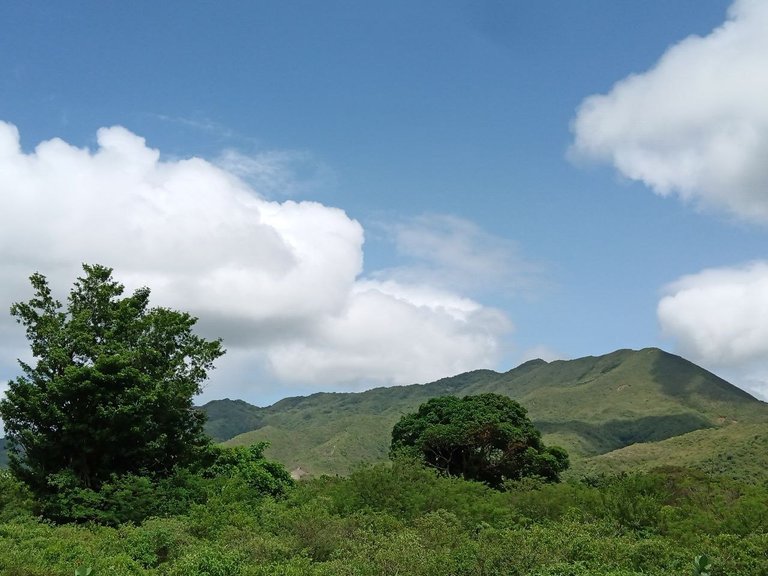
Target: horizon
x,y
536,360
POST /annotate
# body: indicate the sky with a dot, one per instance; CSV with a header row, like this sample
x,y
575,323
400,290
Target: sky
x,y
357,194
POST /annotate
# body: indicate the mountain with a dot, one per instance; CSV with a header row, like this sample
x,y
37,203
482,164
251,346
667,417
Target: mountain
x,y
594,407
228,418
621,411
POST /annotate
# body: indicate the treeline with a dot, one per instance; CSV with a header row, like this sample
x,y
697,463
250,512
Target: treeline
x,y
407,519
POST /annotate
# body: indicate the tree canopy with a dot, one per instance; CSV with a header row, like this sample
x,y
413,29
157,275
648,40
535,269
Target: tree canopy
x,y
110,390
487,437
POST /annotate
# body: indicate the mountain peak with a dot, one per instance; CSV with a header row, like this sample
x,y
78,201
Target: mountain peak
x,y
533,363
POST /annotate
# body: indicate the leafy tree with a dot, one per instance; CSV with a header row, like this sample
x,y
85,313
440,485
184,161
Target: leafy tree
x,y
248,464
110,391
487,437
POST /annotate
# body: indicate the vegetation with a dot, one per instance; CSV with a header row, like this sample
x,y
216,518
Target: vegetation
x,y
629,408
228,418
3,454
596,408
487,437
407,519
739,451
106,408
212,510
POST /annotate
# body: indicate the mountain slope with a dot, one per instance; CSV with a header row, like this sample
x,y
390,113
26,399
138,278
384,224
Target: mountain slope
x,y
591,406
737,450
228,418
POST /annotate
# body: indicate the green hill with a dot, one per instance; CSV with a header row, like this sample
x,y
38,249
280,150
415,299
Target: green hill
x,y
625,410
736,450
592,406
228,418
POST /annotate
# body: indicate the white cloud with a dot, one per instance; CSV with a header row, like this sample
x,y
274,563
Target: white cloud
x,y
277,173
696,124
193,232
200,124
402,334
719,317
719,314
280,280
446,250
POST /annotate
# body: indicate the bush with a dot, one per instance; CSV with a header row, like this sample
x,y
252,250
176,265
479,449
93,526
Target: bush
x,y
126,498
15,498
247,463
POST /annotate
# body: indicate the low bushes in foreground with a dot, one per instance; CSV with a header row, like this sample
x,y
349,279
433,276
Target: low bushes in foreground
x,y
405,519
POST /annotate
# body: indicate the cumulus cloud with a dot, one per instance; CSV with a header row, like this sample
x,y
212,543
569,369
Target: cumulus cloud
x,y
400,333
279,280
696,124
719,314
719,317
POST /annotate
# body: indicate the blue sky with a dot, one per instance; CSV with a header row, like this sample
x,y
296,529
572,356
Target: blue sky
x,y
355,193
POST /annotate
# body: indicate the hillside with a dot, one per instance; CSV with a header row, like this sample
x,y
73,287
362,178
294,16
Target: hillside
x,y
624,410
592,406
737,450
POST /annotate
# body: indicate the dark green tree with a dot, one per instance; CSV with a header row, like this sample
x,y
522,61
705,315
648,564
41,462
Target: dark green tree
x,y
109,393
487,437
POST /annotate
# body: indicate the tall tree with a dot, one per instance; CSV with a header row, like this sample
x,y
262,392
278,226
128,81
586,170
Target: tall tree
x,y
487,437
110,390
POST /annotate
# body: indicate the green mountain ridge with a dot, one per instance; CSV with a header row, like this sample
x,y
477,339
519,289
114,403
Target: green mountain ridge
x,y
620,411
591,406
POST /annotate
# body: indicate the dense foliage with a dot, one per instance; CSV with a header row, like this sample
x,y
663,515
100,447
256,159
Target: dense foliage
x,y
487,437
407,519
107,405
